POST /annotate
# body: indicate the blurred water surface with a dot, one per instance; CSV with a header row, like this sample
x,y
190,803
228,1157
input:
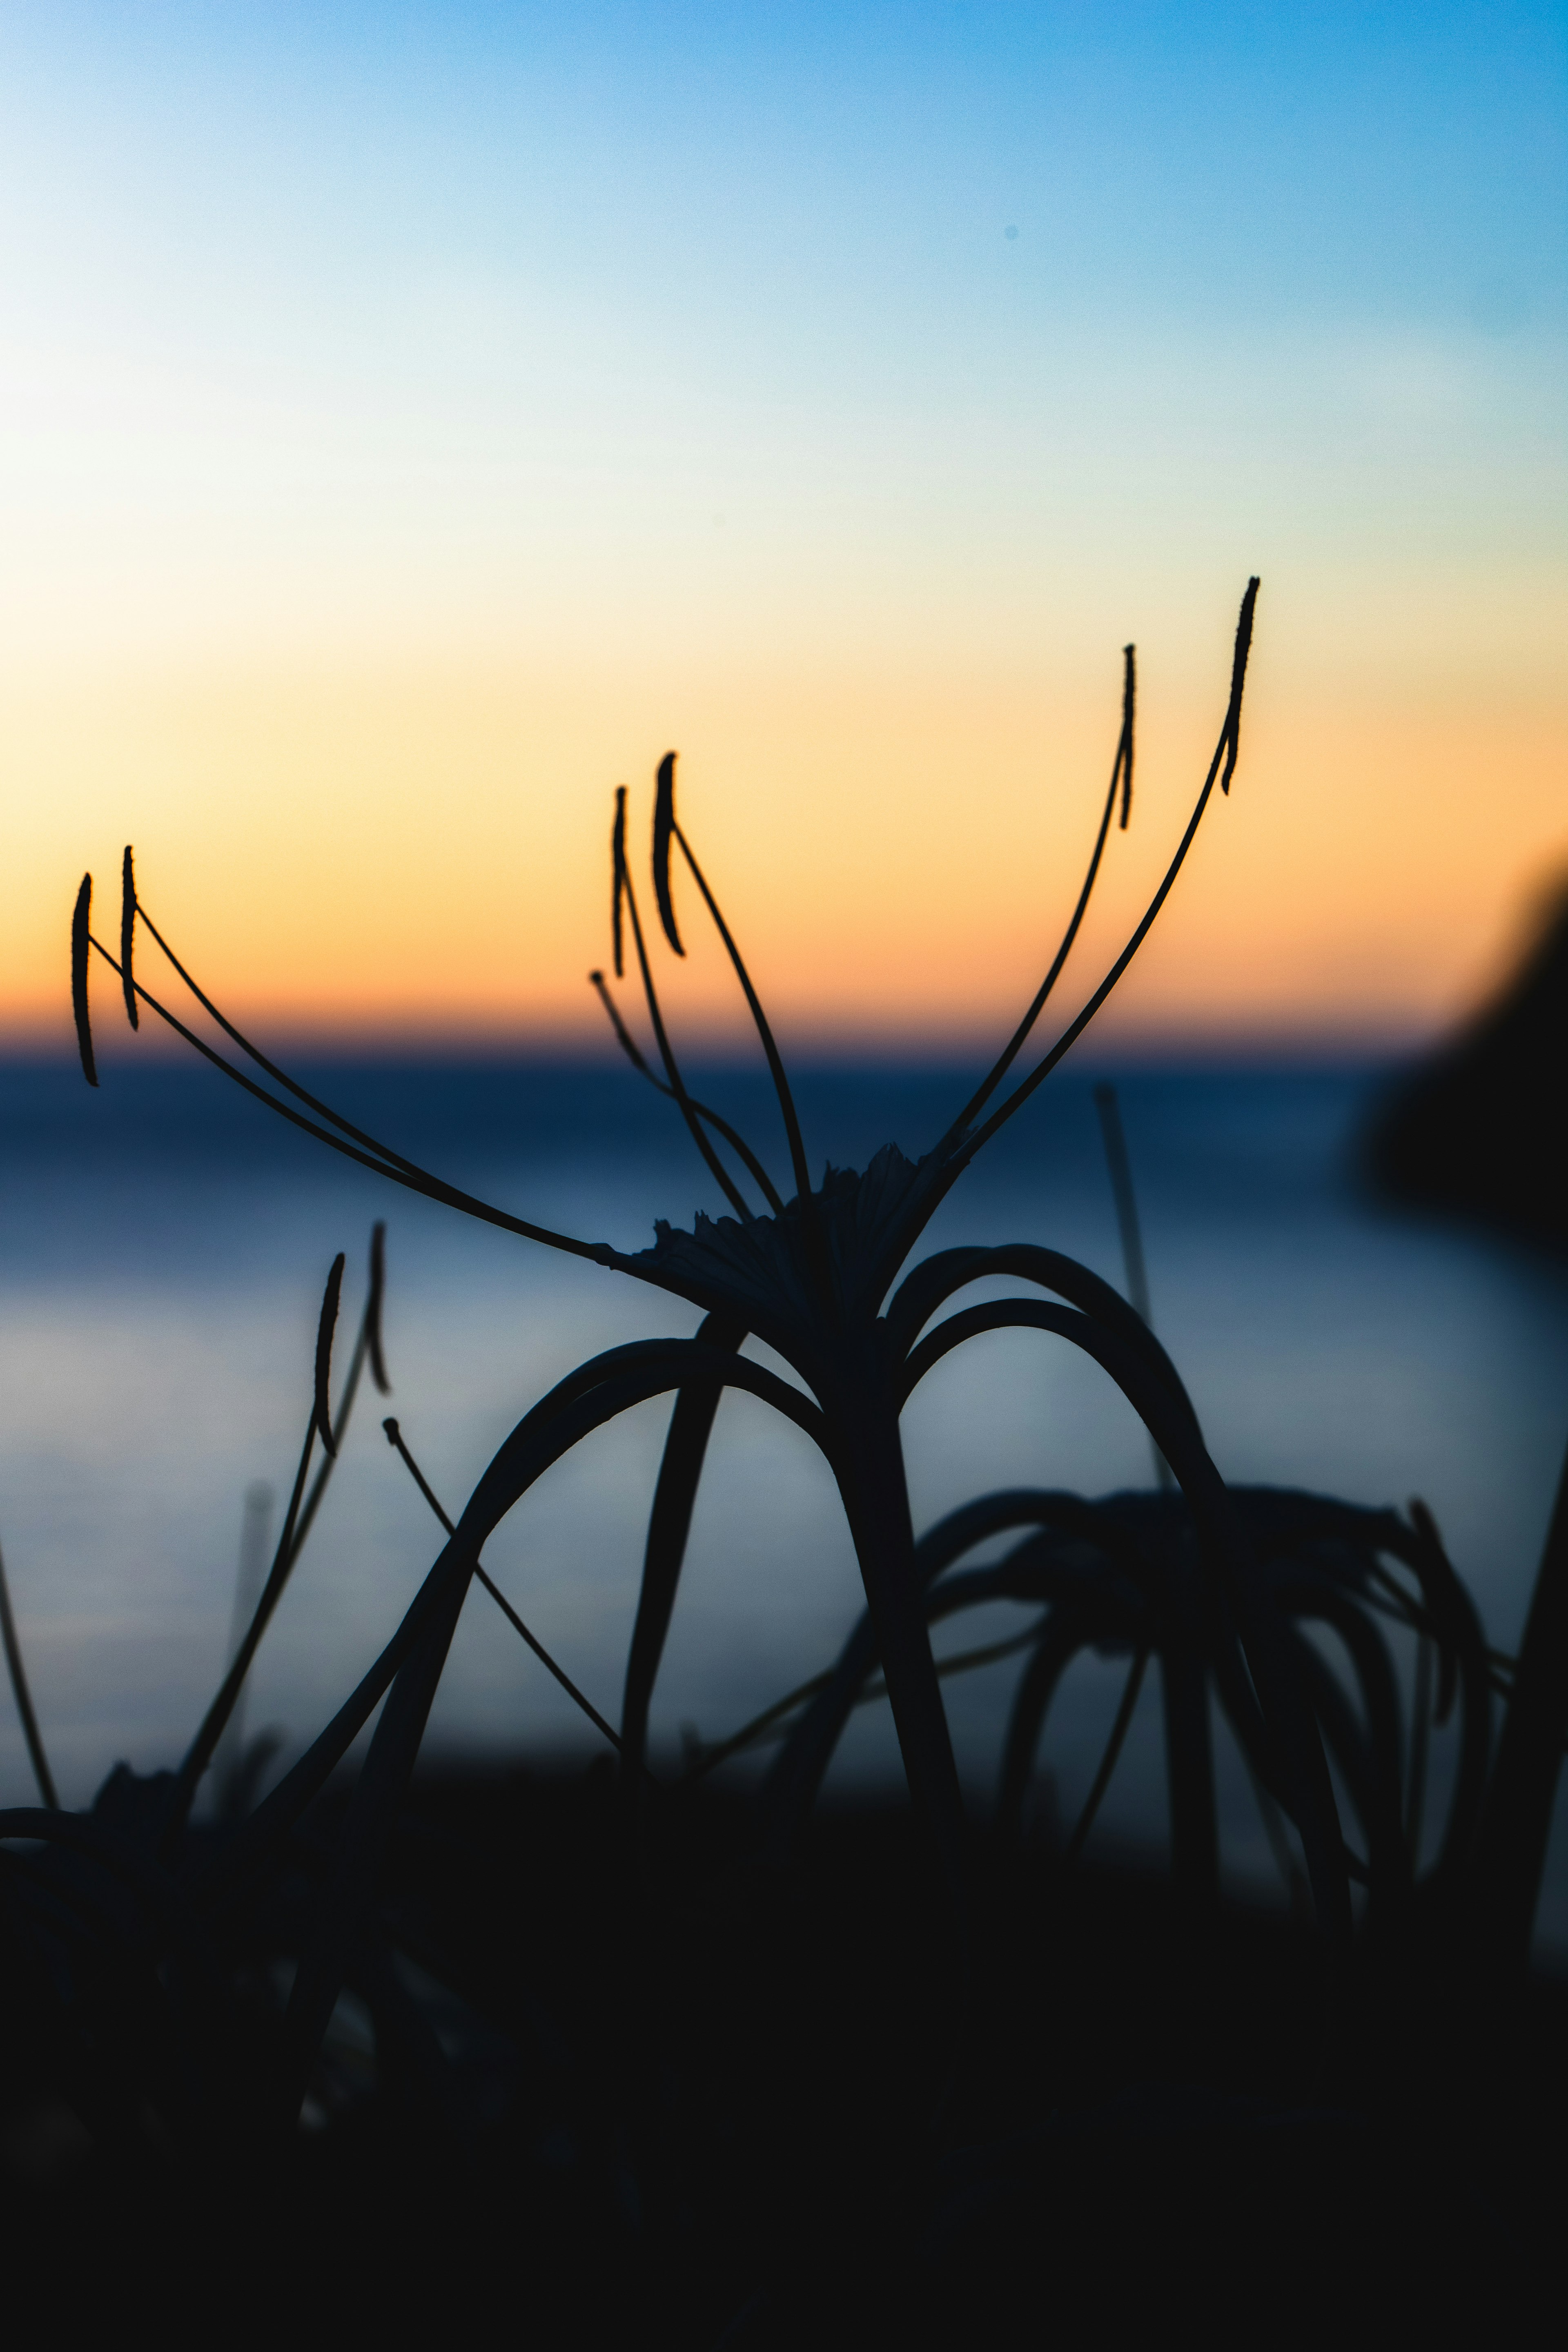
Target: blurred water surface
x,y
163,1247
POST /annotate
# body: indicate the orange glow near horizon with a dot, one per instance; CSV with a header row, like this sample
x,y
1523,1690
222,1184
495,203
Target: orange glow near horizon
x,y
423,858
403,441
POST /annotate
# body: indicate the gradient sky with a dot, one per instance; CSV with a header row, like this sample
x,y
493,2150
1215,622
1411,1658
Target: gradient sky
x,y
416,419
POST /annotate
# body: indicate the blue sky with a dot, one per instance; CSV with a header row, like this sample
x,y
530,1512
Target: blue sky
x,y
691,345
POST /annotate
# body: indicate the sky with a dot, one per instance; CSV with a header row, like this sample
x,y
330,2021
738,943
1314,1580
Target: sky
x,y
416,419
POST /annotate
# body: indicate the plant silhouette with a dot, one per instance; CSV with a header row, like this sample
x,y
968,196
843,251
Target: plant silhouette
x,y
144,1929
820,1277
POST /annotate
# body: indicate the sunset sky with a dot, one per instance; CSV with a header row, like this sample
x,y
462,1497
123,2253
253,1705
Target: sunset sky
x,y
416,419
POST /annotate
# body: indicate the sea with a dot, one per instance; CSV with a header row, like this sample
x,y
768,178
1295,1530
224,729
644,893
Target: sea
x,y
163,1244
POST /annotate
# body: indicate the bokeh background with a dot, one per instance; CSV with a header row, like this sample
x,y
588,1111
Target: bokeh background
x,y
416,419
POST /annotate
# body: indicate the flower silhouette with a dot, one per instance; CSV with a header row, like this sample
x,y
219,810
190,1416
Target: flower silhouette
x,y
819,1273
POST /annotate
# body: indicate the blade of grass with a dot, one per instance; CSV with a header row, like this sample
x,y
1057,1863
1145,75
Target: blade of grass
x,y
24,1697
670,1525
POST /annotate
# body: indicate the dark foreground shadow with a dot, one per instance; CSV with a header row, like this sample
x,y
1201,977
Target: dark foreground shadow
x,y
718,2111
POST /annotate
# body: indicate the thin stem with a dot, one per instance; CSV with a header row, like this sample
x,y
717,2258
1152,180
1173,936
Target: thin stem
x,y
775,1064
732,1192
769,1719
30,1732
395,1439
200,1752
1120,773
737,1143
1076,1028
252,1572
396,1170
1225,750
1111,1756
301,1094
312,1502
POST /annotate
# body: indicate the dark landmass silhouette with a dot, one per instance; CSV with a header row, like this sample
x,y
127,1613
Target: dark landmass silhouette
x,y
1479,1129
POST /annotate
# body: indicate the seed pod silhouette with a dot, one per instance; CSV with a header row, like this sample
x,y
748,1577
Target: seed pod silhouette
x,y
1124,749
1232,735
663,831
127,935
618,873
324,1330
80,921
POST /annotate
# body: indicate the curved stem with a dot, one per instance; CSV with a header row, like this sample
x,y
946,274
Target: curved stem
x,y
775,1064
737,1143
395,1169
24,1698
1120,773
730,1191
1227,750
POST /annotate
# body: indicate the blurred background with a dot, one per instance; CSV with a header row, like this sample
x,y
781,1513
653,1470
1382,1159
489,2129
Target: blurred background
x,y
415,420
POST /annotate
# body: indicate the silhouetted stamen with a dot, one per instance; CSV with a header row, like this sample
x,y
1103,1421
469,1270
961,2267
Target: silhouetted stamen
x,y
1232,734
1120,773
394,1438
629,1045
366,1344
127,935
80,918
730,1191
373,1305
618,877
665,828
1229,737
324,1330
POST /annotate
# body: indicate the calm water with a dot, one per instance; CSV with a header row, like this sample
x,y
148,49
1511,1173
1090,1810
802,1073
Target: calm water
x,y
163,1247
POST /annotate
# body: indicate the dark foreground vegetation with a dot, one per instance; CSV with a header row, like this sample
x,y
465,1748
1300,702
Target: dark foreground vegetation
x,y
621,2057
655,2113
